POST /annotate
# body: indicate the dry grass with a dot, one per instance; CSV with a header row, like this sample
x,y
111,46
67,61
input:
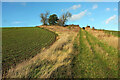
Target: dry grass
x,y
49,59
110,39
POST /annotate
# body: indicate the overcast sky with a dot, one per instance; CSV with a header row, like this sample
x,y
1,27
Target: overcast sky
x,y
101,15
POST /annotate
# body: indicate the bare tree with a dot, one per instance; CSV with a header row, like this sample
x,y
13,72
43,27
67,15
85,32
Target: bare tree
x,y
60,22
44,17
64,18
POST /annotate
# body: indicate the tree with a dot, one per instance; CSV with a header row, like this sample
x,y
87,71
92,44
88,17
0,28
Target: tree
x,y
52,19
60,22
44,17
64,18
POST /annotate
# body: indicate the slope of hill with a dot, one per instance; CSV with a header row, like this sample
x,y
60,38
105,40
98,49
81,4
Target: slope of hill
x,y
105,37
115,33
48,60
92,58
77,53
20,44
95,59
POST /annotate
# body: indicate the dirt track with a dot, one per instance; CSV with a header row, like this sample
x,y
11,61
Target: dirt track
x,y
43,64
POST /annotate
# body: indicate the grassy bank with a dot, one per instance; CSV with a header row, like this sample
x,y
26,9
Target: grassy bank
x,y
94,59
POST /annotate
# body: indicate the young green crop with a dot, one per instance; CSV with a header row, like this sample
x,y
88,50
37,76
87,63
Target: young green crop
x,y
20,44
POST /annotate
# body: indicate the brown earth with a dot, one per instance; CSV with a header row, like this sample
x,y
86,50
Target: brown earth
x,y
48,60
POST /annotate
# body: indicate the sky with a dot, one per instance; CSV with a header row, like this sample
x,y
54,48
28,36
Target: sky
x,y
60,0
101,15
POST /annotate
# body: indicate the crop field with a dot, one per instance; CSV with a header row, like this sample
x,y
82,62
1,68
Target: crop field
x,y
20,44
94,59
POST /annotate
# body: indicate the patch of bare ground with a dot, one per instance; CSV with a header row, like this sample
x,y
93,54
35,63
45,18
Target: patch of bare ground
x,y
107,38
48,60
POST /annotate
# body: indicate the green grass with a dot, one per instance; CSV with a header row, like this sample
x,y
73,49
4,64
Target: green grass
x,y
19,44
109,63
92,62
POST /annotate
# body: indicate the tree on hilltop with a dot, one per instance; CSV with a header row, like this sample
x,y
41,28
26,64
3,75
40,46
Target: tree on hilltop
x,y
52,19
44,17
64,18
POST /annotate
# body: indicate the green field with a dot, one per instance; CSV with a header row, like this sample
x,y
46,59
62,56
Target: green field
x,y
19,44
95,59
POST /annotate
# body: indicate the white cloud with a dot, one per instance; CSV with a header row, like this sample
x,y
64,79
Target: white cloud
x,y
95,6
107,9
110,19
74,7
78,16
115,9
16,22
